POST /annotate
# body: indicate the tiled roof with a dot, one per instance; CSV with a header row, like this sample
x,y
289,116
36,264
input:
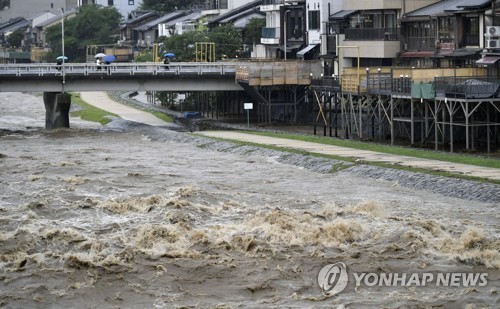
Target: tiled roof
x,y
162,19
140,17
193,16
246,7
342,14
449,6
14,24
55,19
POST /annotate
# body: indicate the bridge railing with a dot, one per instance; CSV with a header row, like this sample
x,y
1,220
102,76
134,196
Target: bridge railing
x,y
87,69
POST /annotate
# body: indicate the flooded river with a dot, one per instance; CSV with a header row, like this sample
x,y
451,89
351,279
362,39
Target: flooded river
x,y
129,216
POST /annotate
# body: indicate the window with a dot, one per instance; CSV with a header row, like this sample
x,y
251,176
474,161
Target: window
x,y
314,21
421,35
390,21
471,35
4,4
446,26
298,31
130,2
222,4
111,2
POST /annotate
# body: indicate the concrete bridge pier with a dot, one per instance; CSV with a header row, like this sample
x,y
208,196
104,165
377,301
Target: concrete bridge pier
x,y
57,105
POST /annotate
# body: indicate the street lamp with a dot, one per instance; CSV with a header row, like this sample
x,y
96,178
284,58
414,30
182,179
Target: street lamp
x,y
62,46
284,33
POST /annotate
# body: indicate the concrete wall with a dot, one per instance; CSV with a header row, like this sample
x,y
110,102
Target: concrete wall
x,y
404,5
372,49
123,6
29,9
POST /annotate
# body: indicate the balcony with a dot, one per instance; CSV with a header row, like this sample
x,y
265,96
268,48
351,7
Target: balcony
x,y
372,34
326,83
331,44
421,43
210,5
271,5
270,33
270,36
272,2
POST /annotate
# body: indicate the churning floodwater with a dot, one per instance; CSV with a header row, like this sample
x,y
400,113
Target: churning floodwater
x,y
129,216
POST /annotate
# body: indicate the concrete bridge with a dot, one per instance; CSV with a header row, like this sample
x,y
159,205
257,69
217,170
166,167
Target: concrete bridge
x,y
56,81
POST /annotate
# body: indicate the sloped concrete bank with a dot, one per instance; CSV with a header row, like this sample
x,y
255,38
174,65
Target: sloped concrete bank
x,y
452,187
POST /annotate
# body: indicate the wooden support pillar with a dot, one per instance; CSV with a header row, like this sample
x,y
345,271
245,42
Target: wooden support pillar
x,y
270,111
466,112
488,127
451,111
436,125
391,122
412,121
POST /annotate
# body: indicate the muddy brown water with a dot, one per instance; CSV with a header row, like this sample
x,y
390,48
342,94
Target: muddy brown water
x,y
95,217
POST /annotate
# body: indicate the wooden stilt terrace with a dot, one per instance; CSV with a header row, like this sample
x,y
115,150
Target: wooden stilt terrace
x,y
449,108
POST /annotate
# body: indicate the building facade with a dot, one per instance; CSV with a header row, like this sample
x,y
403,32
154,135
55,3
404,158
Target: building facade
x,y
10,9
123,6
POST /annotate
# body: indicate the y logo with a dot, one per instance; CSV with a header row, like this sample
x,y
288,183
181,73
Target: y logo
x,y
332,278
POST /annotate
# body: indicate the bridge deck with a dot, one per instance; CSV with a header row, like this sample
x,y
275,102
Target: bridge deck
x,y
119,76
177,76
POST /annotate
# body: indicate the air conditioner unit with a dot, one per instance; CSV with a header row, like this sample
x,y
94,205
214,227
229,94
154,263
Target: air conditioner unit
x,y
492,31
493,43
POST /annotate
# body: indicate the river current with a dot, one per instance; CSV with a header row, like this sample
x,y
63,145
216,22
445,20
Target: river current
x,y
130,216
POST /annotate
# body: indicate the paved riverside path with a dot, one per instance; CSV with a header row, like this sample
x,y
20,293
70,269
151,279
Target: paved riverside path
x,y
364,155
101,100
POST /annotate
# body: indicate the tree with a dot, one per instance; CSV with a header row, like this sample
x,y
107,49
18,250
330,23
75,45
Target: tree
x,y
169,6
93,25
227,41
253,30
15,39
183,45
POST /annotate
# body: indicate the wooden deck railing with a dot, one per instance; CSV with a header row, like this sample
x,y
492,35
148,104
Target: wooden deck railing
x,y
269,73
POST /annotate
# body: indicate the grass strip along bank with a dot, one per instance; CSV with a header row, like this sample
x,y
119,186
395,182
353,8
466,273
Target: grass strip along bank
x,y
361,145
92,113
117,97
396,150
89,112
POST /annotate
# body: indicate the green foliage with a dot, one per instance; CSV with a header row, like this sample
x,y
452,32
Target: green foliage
x,y
15,39
166,98
162,116
90,112
168,6
144,56
227,41
253,31
183,45
93,25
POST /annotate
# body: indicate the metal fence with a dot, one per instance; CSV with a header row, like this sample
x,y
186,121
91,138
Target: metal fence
x,y
385,83
326,82
372,34
85,69
467,87
452,87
